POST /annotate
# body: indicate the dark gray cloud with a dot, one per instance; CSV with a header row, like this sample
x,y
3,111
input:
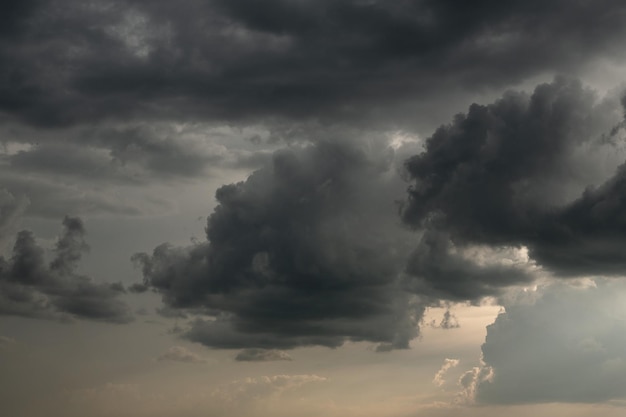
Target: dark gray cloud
x,y
567,345
69,62
115,169
11,208
31,287
262,355
306,251
520,173
100,89
437,268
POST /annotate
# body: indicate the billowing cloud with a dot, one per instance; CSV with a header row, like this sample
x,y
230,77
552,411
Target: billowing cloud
x,y
306,251
519,175
181,354
561,344
234,60
262,355
31,287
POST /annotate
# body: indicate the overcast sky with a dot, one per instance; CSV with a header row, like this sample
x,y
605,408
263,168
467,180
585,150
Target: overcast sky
x,y
356,208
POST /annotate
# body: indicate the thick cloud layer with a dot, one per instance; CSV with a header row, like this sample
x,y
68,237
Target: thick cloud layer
x,y
565,346
306,251
30,287
520,173
66,62
109,89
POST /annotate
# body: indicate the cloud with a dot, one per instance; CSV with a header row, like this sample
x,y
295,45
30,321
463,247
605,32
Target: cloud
x,y
264,387
262,355
11,209
181,354
518,175
563,344
307,251
29,287
470,382
441,373
364,60
448,321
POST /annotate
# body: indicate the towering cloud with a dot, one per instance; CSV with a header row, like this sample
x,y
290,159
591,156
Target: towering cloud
x,y
307,251
520,173
29,287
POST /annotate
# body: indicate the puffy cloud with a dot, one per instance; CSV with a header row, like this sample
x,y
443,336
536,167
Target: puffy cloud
x,y
262,355
562,344
519,174
181,354
30,287
306,251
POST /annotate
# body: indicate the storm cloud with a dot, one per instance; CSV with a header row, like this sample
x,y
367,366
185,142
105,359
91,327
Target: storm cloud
x,y
309,250
30,287
540,172
235,60
306,251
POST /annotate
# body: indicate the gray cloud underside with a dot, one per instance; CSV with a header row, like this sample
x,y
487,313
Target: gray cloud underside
x,y
115,79
30,287
66,62
307,251
542,171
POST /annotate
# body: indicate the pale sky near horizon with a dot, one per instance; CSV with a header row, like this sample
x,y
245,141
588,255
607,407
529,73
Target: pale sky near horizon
x,y
354,208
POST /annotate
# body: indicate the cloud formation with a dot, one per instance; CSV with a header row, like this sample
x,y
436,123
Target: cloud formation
x,y
181,354
234,60
30,287
563,344
541,173
306,251
309,249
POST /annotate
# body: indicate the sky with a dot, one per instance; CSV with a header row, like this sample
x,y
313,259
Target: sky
x,y
356,208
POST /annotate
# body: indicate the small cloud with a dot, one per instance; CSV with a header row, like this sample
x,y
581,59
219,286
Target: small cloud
x,y
448,321
447,365
262,355
181,354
